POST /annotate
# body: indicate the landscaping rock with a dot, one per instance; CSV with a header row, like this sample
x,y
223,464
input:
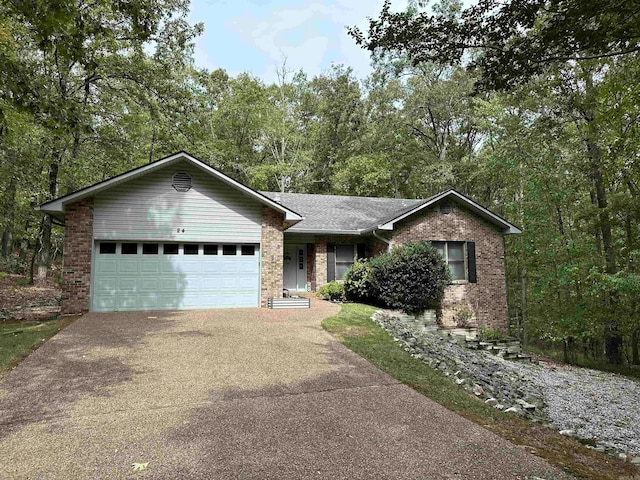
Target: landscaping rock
x,y
590,404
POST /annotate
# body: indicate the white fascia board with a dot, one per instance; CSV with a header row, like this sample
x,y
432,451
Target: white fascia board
x,y
508,228
57,205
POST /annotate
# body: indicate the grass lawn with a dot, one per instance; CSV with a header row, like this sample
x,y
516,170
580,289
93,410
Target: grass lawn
x,y
18,339
355,329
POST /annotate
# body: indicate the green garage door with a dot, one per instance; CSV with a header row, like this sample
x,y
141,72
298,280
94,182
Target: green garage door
x,y
172,276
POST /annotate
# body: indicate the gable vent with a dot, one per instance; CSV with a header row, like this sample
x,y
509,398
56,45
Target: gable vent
x,y
445,208
181,181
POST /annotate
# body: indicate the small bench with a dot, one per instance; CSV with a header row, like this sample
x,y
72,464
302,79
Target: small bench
x,y
290,302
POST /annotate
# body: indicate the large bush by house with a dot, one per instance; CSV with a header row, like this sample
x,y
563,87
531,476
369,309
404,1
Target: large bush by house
x,y
357,282
410,278
332,291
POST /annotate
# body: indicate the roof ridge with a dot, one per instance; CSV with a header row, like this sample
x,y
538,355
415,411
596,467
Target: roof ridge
x,y
344,196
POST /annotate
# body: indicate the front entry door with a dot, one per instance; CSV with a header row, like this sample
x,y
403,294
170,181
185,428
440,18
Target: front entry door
x,y
295,267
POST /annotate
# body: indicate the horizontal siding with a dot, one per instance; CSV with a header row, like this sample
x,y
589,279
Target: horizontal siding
x,y
149,208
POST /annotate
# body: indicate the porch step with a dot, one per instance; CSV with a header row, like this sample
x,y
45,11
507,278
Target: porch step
x,y
291,302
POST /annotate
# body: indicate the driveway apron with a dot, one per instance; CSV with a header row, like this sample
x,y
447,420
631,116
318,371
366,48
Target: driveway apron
x,y
239,393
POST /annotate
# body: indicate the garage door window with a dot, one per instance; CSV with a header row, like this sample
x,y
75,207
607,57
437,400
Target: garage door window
x,y
129,249
248,250
149,248
107,247
170,249
229,249
190,248
210,249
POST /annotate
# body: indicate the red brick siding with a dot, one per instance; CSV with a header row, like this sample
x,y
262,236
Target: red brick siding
x,y
272,253
321,261
311,267
76,269
487,298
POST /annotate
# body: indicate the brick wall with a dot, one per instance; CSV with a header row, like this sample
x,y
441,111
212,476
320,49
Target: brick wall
x,y
271,280
487,298
321,261
76,269
311,267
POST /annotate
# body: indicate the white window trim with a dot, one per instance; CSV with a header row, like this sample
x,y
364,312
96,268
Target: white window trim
x,y
465,258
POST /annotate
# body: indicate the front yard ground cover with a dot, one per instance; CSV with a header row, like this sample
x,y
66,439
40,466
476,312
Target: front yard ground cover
x,y
354,328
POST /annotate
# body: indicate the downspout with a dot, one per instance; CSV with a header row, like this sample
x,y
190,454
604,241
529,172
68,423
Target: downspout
x,y
382,239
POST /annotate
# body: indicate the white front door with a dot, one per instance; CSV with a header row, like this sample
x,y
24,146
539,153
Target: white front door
x,y
295,267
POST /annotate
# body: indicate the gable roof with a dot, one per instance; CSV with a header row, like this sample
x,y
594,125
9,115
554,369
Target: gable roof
x,y
507,227
56,207
337,214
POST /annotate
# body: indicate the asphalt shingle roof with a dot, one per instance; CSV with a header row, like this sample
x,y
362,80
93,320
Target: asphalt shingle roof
x,y
338,213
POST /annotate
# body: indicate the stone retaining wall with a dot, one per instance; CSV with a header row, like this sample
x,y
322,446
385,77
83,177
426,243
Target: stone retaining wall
x,y
490,378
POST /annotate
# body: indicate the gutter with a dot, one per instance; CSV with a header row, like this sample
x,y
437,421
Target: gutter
x,y
382,239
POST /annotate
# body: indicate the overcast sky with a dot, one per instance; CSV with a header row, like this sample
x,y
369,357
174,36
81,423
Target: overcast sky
x,y
256,35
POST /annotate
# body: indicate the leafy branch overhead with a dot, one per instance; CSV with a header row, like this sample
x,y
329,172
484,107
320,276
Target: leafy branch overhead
x,y
508,42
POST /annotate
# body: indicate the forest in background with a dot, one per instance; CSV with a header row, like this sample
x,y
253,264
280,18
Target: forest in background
x,y
91,89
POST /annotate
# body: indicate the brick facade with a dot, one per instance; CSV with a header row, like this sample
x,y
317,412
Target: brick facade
x,y
487,298
311,267
271,280
76,269
321,261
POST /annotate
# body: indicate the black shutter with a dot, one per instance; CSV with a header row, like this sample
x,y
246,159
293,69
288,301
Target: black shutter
x,y
361,251
331,262
471,261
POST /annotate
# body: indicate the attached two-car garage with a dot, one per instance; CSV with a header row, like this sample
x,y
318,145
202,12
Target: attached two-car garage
x,y
171,234
174,276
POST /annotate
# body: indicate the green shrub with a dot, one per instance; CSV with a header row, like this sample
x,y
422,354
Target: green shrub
x,y
332,291
410,278
489,334
357,282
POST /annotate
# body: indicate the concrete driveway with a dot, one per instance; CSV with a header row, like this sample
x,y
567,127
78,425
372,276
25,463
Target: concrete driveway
x,y
219,394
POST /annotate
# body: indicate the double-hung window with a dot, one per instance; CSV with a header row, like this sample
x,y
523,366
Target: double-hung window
x,y
345,256
454,254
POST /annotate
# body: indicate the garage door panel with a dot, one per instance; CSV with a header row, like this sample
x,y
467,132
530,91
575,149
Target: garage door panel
x,y
106,285
127,302
126,265
150,302
106,266
190,265
150,265
127,284
104,303
151,285
174,281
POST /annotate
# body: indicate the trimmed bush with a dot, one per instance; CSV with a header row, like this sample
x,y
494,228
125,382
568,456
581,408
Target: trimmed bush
x,y
410,278
357,282
332,291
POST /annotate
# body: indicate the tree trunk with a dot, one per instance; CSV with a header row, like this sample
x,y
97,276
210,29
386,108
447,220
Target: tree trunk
x,y
524,318
44,256
6,246
612,337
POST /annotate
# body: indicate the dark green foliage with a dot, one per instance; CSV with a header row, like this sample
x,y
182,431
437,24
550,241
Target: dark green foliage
x,y
510,41
332,291
357,282
410,278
